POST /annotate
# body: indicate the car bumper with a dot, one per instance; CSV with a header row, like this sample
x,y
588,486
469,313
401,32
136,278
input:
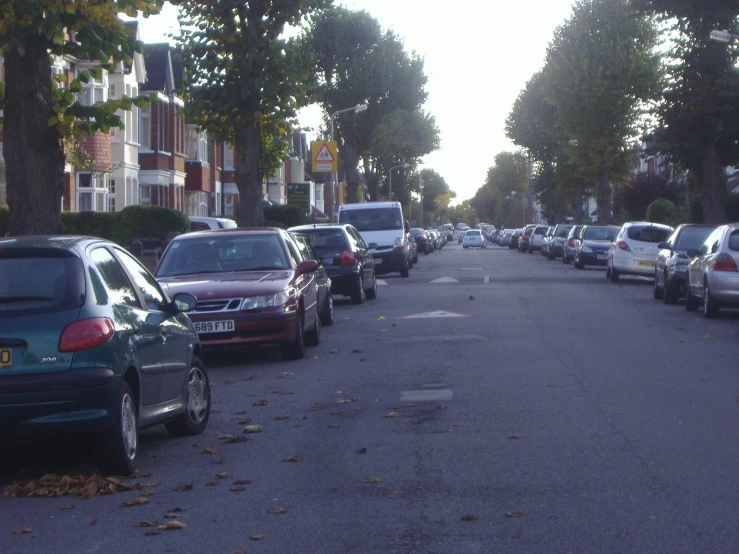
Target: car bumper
x,y
555,249
724,287
250,328
387,262
474,244
343,278
79,400
594,258
633,266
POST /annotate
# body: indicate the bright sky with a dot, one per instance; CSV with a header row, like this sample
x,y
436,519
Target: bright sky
x,y
478,56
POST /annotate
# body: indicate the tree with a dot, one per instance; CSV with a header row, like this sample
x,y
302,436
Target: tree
x,y
42,113
642,189
436,194
245,83
603,71
699,119
360,63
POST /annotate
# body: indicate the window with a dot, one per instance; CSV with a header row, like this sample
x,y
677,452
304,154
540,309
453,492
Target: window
x,y
153,295
115,278
228,158
145,128
162,127
196,145
294,254
197,204
145,195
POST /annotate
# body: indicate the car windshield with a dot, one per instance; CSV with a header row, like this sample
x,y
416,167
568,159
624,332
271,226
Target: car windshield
x,y
562,232
373,219
600,233
417,232
691,238
540,231
326,238
215,254
648,233
34,280
472,233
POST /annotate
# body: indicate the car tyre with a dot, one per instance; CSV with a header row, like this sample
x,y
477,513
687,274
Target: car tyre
x,y
295,349
659,292
358,294
327,314
371,293
117,449
313,337
194,419
578,263
565,260
710,306
670,294
614,275
404,271
691,302
415,258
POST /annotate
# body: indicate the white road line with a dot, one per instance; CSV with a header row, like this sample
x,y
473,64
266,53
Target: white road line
x,y
425,395
381,282
487,279
445,280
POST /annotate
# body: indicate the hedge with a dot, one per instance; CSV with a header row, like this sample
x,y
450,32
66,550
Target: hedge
x,y
662,210
288,215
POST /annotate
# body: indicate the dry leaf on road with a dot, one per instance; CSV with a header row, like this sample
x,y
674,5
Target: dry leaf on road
x,y
391,414
242,482
138,501
334,351
212,483
21,531
334,426
514,436
372,480
237,489
260,403
93,522
256,537
172,526
357,351
223,475
469,517
151,533
515,514
153,523
362,451
67,507
282,417
277,510
293,459
209,451
176,509
253,429
181,488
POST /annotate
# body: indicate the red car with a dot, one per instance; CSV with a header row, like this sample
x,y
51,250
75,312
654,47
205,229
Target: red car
x,y
252,287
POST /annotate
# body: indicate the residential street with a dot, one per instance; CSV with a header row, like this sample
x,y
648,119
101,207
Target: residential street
x,y
568,414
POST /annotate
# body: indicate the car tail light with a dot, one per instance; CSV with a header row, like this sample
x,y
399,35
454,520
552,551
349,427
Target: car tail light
x,y
86,333
348,258
571,242
724,262
623,246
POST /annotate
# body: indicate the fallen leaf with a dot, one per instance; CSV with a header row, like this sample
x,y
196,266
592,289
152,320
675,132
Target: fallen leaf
x,y
313,358
146,524
209,451
394,325
400,407
67,507
304,417
284,374
514,436
233,440
469,517
357,351
293,459
147,493
372,480
442,407
362,451
256,537
138,501
381,318
250,378
171,515
334,426
334,351
391,414
93,522
212,483
260,403
277,510
253,429
172,526
176,510
393,491
282,417
21,531
212,385
223,475
151,533
515,514
218,462
707,336
336,413
226,382
239,413
237,489
242,482
181,488
347,400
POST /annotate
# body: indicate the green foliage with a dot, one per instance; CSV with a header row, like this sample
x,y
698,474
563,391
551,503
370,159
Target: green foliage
x,y
149,221
642,189
93,224
436,194
284,215
662,210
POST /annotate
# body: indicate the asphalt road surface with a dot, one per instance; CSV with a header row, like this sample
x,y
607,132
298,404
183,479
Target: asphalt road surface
x,y
492,402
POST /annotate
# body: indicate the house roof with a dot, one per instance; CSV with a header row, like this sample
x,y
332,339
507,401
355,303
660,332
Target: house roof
x,y
159,75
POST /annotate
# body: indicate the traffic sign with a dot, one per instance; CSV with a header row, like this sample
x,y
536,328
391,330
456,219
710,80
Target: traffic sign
x,y
323,155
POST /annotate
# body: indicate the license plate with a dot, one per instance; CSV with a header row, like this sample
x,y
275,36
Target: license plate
x,y
378,261
6,357
328,261
645,264
214,326
602,257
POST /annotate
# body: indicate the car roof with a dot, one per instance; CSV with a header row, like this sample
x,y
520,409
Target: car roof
x,y
237,231
299,228
50,241
365,205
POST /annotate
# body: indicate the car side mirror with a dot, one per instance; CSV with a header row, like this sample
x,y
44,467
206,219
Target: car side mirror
x,y
664,245
373,245
308,266
692,253
184,302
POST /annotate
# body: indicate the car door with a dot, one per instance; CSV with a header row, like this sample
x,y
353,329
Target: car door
x,y
362,251
322,278
305,283
173,330
697,268
147,338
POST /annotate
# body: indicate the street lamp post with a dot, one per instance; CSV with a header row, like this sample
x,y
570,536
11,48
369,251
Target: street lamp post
x,y
335,176
390,182
420,188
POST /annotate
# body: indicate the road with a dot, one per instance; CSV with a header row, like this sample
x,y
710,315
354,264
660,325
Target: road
x,y
562,412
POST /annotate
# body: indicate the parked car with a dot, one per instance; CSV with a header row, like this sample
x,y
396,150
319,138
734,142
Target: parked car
x,y
545,240
672,260
346,258
323,281
523,240
713,273
557,241
504,237
91,344
422,240
252,288
634,252
569,246
413,246
536,238
460,236
473,239
515,237
592,248
206,223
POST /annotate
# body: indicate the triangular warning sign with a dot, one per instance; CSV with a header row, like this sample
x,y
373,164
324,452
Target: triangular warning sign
x,y
324,155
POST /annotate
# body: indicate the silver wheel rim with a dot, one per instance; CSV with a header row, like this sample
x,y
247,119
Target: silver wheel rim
x,y
330,306
197,396
128,426
705,299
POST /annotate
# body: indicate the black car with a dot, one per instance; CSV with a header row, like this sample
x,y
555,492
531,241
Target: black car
x,y
325,297
422,240
670,269
593,244
514,239
346,257
557,241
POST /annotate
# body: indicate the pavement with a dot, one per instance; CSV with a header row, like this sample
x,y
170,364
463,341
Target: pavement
x,y
492,402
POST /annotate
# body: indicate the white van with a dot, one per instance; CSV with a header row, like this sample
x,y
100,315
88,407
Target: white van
x,y
383,228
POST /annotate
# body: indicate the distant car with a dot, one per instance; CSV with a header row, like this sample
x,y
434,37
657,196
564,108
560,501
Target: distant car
x,y
325,296
460,236
557,241
634,252
515,237
422,240
504,237
573,237
545,241
672,260
523,241
592,248
205,223
91,344
473,239
252,288
713,273
536,239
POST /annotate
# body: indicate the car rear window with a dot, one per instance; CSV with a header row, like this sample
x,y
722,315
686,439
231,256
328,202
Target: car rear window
x,y
600,233
648,233
692,238
733,241
373,219
562,232
540,231
36,280
472,233
326,238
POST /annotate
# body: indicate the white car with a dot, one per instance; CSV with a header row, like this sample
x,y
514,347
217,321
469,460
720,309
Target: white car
x,y
634,252
207,223
473,238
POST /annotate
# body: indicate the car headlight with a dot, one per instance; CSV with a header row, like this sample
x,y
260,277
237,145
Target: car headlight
x,y
267,301
586,249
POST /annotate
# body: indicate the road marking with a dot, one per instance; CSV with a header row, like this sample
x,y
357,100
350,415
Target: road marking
x,y
431,339
445,280
487,279
470,269
426,395
431,315
381,282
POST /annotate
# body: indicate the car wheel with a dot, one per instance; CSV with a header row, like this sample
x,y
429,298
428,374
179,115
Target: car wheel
x,y
710,306
404,272
426,250
415,258
659,292
691,302
295,349
608,271
565,260
614,274
327,315
358,294
578,263
371,293
313,337
410,263
194,419
117,450
670,293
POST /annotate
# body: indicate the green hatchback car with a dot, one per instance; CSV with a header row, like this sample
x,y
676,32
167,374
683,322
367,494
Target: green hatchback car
x,y
90,343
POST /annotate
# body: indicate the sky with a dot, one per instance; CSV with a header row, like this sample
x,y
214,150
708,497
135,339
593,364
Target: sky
x,y
478,56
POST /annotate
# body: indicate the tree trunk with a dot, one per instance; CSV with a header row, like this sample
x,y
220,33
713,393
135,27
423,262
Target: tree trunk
x,y
248,178
714,187
604,198
577,201
34,152
351,171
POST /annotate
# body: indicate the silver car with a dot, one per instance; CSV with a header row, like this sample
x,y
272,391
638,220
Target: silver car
x,y
713,274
